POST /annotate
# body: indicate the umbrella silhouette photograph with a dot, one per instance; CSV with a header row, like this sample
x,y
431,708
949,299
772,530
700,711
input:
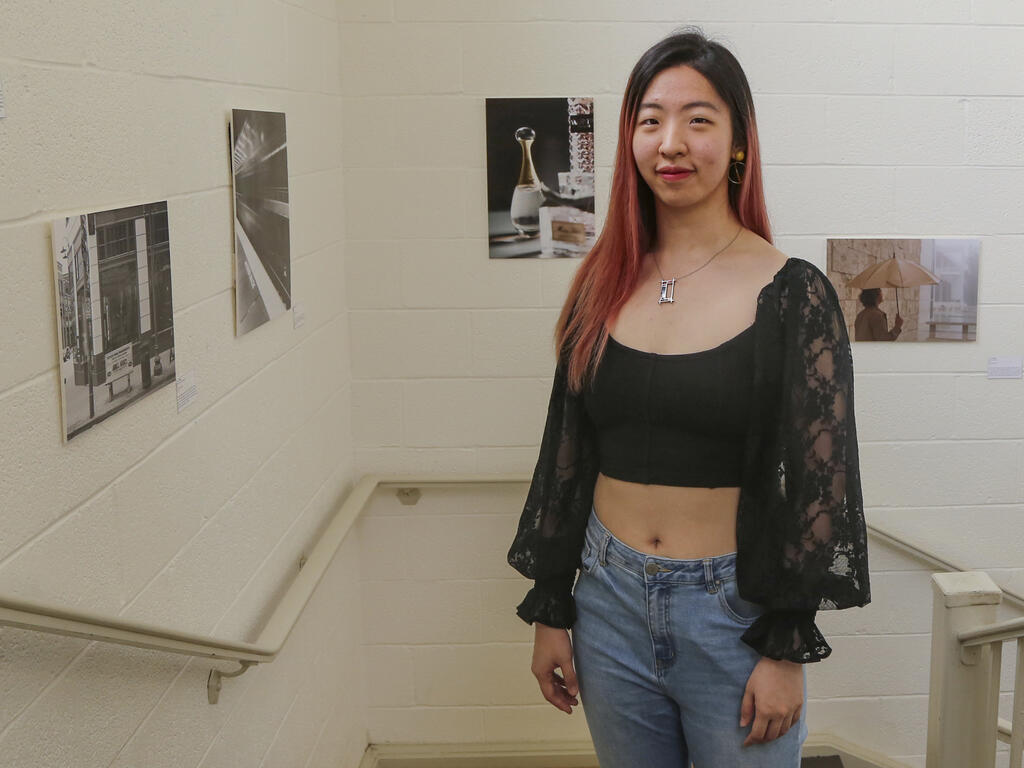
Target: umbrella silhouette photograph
x,y
907,289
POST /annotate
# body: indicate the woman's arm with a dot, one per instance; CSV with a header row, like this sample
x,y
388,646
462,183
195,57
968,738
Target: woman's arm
x,y
818,551
551,528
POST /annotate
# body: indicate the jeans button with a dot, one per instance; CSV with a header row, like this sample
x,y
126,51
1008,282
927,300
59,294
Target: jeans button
x,y
652,568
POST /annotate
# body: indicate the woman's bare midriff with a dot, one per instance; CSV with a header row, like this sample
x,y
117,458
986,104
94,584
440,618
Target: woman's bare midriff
x,y
668,521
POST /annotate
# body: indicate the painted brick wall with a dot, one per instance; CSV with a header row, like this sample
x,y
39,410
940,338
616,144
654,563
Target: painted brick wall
x,y
193,520
877,119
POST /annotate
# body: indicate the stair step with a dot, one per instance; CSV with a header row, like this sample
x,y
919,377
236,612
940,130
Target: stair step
x,y
821,755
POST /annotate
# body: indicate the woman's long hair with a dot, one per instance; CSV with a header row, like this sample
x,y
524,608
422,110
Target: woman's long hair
x,y
609,272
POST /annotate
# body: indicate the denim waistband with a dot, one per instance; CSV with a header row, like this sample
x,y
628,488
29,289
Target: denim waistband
x,y
701,570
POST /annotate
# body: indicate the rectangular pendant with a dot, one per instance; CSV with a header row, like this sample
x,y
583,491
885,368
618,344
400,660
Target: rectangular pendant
x,y
668,288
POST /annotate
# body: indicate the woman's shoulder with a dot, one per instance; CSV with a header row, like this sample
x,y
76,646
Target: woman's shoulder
x,y
797,268
807,277
796,282
756,261
764,254
766,263
782,274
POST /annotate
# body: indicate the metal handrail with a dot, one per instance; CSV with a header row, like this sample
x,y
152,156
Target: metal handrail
x,y
63,621
59,620
932,559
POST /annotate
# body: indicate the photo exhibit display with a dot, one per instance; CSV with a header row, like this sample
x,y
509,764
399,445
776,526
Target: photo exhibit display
x,y
115,319
259,171
540,177
907,289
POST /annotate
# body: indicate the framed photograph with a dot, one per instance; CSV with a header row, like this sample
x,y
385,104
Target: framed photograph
x,y
115,324
259,170
907,289
540,177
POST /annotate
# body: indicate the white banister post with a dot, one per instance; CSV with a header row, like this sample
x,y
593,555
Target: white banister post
x,y
960,703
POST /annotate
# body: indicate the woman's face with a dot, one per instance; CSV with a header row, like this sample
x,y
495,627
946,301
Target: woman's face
x,y
682,122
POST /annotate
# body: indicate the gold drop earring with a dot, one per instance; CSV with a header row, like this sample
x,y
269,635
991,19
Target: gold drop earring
x,y
739,165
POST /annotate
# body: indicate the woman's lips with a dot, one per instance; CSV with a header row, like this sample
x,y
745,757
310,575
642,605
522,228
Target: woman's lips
x,y
675,176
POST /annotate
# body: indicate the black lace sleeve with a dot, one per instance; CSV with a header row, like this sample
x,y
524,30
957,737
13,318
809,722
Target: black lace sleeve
x,y
822,551
549,538
787,635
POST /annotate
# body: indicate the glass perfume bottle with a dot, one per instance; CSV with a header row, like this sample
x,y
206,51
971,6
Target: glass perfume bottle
x,y
528,196
581,148
567,223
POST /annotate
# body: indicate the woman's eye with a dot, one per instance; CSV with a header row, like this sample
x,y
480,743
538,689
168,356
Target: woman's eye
x,y
653,120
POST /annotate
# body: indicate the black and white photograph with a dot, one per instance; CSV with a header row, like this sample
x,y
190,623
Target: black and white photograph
x,y
115,325
259,168
540,177
907,289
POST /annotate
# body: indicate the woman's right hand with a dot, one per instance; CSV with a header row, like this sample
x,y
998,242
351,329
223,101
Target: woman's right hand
x,y
898,322
552,648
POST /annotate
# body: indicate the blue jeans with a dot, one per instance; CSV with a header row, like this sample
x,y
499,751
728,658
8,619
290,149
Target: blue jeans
x,y
660,664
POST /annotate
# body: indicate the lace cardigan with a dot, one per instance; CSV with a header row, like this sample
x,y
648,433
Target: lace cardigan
x,y
800,530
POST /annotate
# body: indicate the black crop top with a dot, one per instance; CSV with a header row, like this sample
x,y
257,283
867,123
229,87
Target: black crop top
x,y
673,419
801,538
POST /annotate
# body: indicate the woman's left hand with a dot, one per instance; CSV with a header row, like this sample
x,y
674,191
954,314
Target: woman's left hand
x,y
774,697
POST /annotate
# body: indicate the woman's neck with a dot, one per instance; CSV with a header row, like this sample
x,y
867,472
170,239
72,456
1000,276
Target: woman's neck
x,y
685,242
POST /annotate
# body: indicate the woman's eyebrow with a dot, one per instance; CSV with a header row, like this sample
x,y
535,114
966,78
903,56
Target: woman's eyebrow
x,y
691,105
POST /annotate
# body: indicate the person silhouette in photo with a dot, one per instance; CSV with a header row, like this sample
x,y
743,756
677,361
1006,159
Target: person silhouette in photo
x,y
872,324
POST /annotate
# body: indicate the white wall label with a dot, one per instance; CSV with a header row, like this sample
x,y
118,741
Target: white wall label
x,y
187,389
1005,367
298,315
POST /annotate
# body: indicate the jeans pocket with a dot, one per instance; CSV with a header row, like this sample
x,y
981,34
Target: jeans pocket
x,y
736,607
588,557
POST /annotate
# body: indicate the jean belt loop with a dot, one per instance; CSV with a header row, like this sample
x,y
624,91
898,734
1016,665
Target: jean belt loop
x,y
709,576
603,551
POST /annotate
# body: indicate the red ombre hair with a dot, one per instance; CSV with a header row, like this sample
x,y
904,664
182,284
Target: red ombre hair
x,y
609,272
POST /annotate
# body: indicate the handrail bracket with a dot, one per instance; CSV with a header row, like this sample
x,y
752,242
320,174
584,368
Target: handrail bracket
x,y
970,654
213,681
408,496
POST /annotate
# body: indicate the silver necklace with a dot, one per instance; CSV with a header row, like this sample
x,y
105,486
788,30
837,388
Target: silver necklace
x,y
668,287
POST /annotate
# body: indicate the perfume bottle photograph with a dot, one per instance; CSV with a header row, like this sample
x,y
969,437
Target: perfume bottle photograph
x,y
540,177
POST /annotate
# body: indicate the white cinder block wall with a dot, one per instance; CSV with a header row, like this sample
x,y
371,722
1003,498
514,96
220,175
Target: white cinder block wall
x,y
877,119
193,520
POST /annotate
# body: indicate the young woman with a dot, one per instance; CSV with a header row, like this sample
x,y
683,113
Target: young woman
x,y
699,458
